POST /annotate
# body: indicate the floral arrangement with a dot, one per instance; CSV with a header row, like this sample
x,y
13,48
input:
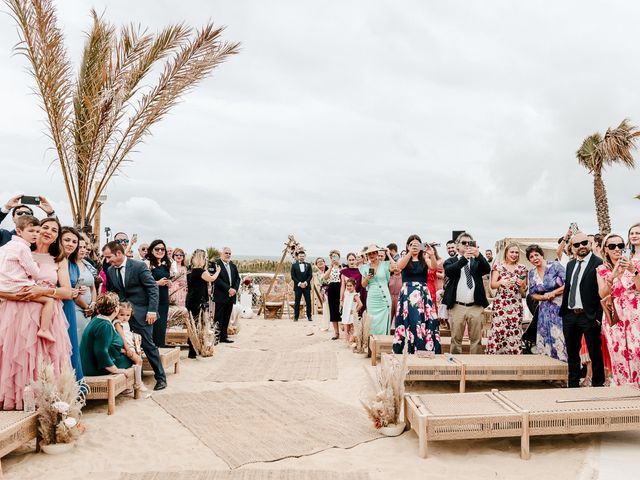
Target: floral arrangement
x,y
293,246
59,402
383,402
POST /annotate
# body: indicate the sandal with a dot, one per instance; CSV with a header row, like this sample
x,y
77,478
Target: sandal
x,y
335,338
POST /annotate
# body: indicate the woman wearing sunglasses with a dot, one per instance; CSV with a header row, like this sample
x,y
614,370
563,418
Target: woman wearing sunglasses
x,y
618,285
160,265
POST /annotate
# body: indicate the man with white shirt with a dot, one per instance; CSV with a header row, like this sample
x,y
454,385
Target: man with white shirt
x,y
133,282
464,293
581,311
301,275
225,292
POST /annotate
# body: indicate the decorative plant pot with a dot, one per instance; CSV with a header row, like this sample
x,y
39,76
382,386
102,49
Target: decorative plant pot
x,y
393,430
57,448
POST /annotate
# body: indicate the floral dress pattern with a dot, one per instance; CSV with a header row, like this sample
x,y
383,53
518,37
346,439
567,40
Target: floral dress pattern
x,y
416,320
550,336
623,338
506,321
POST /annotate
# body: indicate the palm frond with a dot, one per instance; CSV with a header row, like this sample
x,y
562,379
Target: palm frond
x,y
588,155
617,144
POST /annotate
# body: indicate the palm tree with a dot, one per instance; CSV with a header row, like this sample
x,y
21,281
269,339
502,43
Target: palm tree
x,y
128,81
597,152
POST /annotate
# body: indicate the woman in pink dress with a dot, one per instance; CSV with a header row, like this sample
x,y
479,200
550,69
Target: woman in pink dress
x,y
20,347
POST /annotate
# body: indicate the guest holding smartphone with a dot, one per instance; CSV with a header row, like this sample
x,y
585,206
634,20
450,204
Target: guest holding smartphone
x,y
333,279
375,278
160,265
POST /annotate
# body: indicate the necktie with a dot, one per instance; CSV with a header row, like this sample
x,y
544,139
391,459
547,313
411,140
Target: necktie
x,y
120,279
575,286
467,271
228,269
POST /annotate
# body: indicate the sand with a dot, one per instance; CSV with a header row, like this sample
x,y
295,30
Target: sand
x,y
141,436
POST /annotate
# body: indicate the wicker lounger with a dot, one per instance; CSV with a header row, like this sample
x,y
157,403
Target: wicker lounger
x,y
463,368
170,357
177,337
16,429
379,344
522,414
108,387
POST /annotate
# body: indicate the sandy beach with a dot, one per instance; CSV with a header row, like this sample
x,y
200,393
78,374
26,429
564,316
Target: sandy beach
x,y
142,437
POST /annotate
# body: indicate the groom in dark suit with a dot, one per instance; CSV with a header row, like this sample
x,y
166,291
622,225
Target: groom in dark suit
x,y
132,281
301,275
225,292
581,311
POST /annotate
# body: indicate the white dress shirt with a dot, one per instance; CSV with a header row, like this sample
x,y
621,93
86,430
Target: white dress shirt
x,y
123,270
575,282
228,269
302,267
464,294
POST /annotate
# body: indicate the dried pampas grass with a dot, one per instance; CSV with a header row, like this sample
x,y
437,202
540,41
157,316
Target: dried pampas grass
x,y
383,402
201,333
360,339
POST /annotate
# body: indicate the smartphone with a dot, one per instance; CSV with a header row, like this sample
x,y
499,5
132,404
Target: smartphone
x,y
434,244
626,254
422,247
472,243
574,228
372,271
27,200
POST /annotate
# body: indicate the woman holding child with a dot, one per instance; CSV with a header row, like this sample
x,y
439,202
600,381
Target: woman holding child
x,y
21,348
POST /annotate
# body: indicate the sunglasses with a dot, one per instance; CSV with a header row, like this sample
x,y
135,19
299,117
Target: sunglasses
x,y
584,243
464,242
613,246
178,255
159,249
122,240
23,212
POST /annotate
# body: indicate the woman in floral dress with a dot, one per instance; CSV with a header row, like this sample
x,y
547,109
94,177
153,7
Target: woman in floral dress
x,y
178,288
619,284
546,285
417,318
510,280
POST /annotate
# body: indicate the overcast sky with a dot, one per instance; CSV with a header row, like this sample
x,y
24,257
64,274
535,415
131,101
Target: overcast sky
x,y
356,122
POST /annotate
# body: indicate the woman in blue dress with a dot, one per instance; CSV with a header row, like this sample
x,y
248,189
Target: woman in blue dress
x,y
70,239
417,318
375,278
546,285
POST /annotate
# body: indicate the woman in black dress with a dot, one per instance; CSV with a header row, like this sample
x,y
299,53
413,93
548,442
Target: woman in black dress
x,y
198,281
160,266
332,276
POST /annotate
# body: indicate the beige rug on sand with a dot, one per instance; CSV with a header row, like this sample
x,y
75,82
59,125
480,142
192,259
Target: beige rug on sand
x,y
278,338
248,475
252,366
267,423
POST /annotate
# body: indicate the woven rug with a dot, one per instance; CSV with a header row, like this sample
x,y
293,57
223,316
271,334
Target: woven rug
x,y
252,366
267,423
282,339
248,475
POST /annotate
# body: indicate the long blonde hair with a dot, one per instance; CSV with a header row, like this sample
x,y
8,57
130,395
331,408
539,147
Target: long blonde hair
x,y
605,250
198,259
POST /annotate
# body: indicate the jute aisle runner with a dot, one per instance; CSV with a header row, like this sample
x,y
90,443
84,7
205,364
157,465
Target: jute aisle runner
x,y
278,338
252,366
267,423
248,475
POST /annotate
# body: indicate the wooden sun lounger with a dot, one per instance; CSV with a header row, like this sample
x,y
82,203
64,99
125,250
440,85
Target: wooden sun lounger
x,y
177,337
170,357
379,344
463,368
108,387
16,429
522,413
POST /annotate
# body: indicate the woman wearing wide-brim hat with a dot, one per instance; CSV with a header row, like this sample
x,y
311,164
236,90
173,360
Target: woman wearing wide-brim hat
x,y
375,278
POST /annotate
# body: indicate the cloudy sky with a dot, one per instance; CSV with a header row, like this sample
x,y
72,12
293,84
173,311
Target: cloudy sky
x,y
352,122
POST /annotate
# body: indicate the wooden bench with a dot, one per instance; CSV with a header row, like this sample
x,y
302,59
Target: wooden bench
x,y
170,357
16,429
522,413
462,368
379,344
108,387
177,337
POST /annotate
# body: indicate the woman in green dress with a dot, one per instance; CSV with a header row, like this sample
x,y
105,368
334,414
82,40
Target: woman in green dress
x,y
375,278
101,348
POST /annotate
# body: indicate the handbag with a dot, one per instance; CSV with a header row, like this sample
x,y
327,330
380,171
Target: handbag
x,y
610,312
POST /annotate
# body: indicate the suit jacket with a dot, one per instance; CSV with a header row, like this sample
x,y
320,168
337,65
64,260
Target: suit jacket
x,y
5,235
297,276
223,283
140,289
588,289
453,269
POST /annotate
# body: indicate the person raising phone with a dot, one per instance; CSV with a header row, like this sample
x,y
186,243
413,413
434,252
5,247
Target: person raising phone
x,y
464,294
19,205
375,277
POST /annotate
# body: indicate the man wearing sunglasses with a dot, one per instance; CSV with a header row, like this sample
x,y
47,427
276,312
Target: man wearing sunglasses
x,y
581,311
464,293
17,209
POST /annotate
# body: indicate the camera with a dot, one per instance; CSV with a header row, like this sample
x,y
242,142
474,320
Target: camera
x,y
212,267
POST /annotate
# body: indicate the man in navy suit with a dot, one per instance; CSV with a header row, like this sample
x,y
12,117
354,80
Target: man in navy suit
x,y
133,282
225,292
301,275
581,311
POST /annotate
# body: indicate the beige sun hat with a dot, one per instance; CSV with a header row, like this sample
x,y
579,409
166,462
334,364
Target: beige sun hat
x,y
372,248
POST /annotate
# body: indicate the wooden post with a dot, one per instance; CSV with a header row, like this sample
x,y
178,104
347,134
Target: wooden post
x,y
463,378
422,436
525,454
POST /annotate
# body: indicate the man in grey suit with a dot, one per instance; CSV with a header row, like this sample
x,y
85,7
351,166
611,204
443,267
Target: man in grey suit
x,y
132,281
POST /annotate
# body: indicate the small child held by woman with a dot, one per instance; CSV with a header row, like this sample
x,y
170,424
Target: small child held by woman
x,y
350,306
132,342
18,269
